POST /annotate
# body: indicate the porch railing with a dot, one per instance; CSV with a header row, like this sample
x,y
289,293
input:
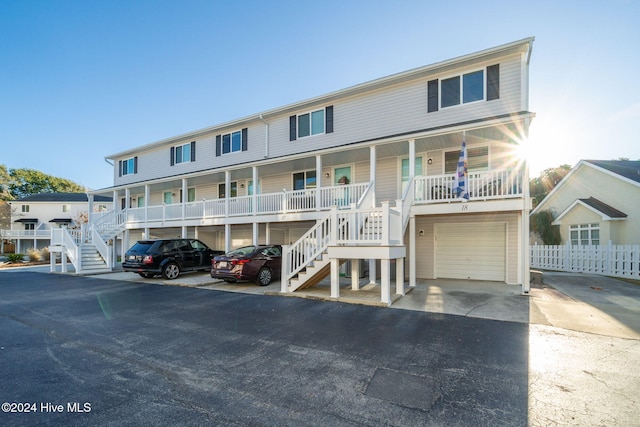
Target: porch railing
x,y
493,184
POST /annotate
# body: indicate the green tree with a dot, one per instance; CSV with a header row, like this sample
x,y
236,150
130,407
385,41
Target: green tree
x,y
25,182
5,179
541,223
541,186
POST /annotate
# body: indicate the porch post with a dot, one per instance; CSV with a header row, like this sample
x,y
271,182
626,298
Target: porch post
x,y
399,276
147,194
318,181
372,173
227,192
227,237
127,197
90,213
255,233
412,158
116,204
183,232
355,274
335,278
267,233
526,207
184,199
254,195
385,289
412,251
373,273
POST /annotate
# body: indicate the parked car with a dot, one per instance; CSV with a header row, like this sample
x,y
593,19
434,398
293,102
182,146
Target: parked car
x,y
168,257
259,264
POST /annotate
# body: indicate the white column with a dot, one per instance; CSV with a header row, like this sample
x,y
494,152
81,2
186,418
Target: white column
x,y
183,232
335,278
355,274
254,196
267,233
64,260
400,276
372,172
90,198
284,283
524,243
184,199
412,157
373,273
318,181
412,251
255,233
227,191
147,194
227,237
116,202
127,198
385,279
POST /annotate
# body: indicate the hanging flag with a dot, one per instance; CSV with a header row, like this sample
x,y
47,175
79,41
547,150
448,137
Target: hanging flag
x,y
462,177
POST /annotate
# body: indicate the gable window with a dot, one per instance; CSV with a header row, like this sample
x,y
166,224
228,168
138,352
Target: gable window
x,y
183,153
475,86
128,166
585,234
312,123
66,208
477,159
232,142
304,180
25,208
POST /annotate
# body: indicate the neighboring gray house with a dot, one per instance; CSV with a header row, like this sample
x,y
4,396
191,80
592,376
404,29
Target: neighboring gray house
x,y
365,173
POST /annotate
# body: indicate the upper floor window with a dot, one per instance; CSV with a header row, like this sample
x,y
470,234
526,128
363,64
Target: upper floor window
x,y
183,153
469,87
128,166
311,123
585,234
233,190
25,208
66,208
477,159
232,142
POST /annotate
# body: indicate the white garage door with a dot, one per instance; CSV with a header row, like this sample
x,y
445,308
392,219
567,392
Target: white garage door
x,y
471,251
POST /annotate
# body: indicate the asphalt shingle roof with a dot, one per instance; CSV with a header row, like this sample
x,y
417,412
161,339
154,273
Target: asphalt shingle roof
x,y
62,197
609,211
629,169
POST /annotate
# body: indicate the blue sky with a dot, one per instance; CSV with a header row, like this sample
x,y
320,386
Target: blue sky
x,y
80,80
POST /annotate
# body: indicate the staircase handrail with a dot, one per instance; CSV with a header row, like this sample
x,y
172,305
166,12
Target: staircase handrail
x,y
69,243
309,246
367,198
111,221
403,205
101,246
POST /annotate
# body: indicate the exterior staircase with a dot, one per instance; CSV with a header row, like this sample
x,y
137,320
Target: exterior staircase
x,y
91,261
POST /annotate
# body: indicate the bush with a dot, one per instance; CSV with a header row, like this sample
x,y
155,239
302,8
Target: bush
x,y
45,255
14,258
34,255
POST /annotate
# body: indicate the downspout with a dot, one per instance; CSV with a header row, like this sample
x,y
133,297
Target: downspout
x,y
266,137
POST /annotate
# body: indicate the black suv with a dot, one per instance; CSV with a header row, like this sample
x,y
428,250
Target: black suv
x,y
168,257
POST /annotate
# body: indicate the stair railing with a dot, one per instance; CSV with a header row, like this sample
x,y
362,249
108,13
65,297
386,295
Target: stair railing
x,y
308,247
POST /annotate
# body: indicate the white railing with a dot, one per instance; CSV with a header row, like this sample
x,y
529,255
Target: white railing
x,y
494,184
342,195
14,234
109,224
308,247
607,260
101,246
403,205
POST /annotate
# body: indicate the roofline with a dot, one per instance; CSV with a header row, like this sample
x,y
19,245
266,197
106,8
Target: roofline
x,y
574,171
523,45
591,208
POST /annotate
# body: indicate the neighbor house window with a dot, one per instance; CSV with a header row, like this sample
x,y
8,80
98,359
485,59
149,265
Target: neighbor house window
x,y
304,180
29,226
478,85
25,208
312,123
99,208
183,153
477,159
128,166
232,142
585,234
66,208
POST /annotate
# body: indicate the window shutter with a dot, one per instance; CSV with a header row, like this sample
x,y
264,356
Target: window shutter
x,y
493,82
432,96
245,137
135,164
218,145
173,156
293,133
193,151
328,115
120,168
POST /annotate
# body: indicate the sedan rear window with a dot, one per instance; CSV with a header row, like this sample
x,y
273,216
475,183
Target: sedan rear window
x,y
242,251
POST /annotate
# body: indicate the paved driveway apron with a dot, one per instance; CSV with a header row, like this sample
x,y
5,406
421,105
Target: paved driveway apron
x,y
149,354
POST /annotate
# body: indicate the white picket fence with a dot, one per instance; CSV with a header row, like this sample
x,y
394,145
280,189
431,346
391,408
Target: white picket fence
x,y
608,260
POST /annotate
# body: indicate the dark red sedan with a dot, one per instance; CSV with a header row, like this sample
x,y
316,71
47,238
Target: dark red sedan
x,y
260,264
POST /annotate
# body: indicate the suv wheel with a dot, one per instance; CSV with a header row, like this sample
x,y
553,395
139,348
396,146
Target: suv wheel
x,y
171,271
264,277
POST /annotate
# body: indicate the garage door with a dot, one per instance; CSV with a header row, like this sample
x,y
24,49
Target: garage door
x,y
471,251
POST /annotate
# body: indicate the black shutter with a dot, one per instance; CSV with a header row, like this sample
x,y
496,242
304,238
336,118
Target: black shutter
x,y
173,156
493,82
218,145
120,168
432,96
293,133
245,137
328,116
135,164
193,151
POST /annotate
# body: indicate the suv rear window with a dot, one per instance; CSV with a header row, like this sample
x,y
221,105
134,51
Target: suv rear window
x,y
141,247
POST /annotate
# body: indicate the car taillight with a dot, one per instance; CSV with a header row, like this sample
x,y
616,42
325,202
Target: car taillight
x,y
148,259
239,262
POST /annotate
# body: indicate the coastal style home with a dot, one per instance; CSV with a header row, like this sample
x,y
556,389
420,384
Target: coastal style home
x,y
412,176
597,203
33,217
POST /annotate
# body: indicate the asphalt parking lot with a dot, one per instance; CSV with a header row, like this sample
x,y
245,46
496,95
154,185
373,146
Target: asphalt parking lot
x,y
140,353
